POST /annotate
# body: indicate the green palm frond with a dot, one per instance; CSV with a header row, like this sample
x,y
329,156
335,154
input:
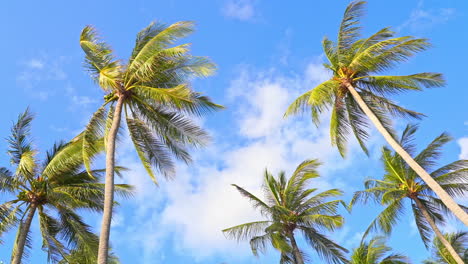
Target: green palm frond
x,y
10,214
349,28
50,228
180,98
325,247
376,252
317,100
100,62
358,123
93,133
428,157
256,202
247,230
8,183
19,142
339,128
387,219
385,85
156,37
152,152
63,159
170,125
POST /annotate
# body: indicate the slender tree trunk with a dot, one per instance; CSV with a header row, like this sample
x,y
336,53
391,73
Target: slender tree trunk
x,y
296,252
109,184
441,237
443,195
21,242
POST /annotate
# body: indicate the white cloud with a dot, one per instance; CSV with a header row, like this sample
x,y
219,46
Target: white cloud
x,y
38,70
463,143
243,10
193,209
422,19
35,64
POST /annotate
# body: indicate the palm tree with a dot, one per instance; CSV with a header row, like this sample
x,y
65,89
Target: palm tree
x,y
290,207
400,183
153,91
458,240
355,94
376,252
54,190
80,256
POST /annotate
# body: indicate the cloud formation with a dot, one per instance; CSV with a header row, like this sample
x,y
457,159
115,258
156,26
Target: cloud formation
x,y
193,209
242,10
422,19
38,70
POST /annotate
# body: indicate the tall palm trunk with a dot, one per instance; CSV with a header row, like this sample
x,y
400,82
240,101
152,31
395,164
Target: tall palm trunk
x,y
441,237
443,195
22,236
109,184
296,252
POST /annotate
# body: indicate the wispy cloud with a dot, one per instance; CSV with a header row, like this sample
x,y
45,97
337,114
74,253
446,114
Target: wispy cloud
x,y
37,70
463,143
243,10
422,19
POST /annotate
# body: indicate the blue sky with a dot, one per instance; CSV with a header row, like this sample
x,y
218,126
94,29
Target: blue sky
x,y
267,53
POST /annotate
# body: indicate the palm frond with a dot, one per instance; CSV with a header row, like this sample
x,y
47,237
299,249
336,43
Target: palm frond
x,y
317,100
19,142
256,202
247,230
358,123
92,135
180,98
326,248
152,152
339,128
100,61
349,28
387,219
428,157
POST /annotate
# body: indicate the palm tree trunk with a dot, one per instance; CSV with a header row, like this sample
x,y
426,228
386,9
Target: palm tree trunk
x,y
22,236
296,252
109,184
441,237
443,195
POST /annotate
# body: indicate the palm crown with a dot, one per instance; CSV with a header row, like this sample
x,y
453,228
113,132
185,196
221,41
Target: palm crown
x,y
376,252
291,206
358,62
401,183
155,94
55,189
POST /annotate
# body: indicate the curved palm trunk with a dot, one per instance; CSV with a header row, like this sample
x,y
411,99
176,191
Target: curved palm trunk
x,y
441,237
296,252
21,242
109,184
443,195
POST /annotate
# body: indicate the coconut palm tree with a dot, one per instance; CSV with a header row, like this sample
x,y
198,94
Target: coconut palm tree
x,y
376,252
401,184
81,256
356,93
152,89
459,242
291,206
55,190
